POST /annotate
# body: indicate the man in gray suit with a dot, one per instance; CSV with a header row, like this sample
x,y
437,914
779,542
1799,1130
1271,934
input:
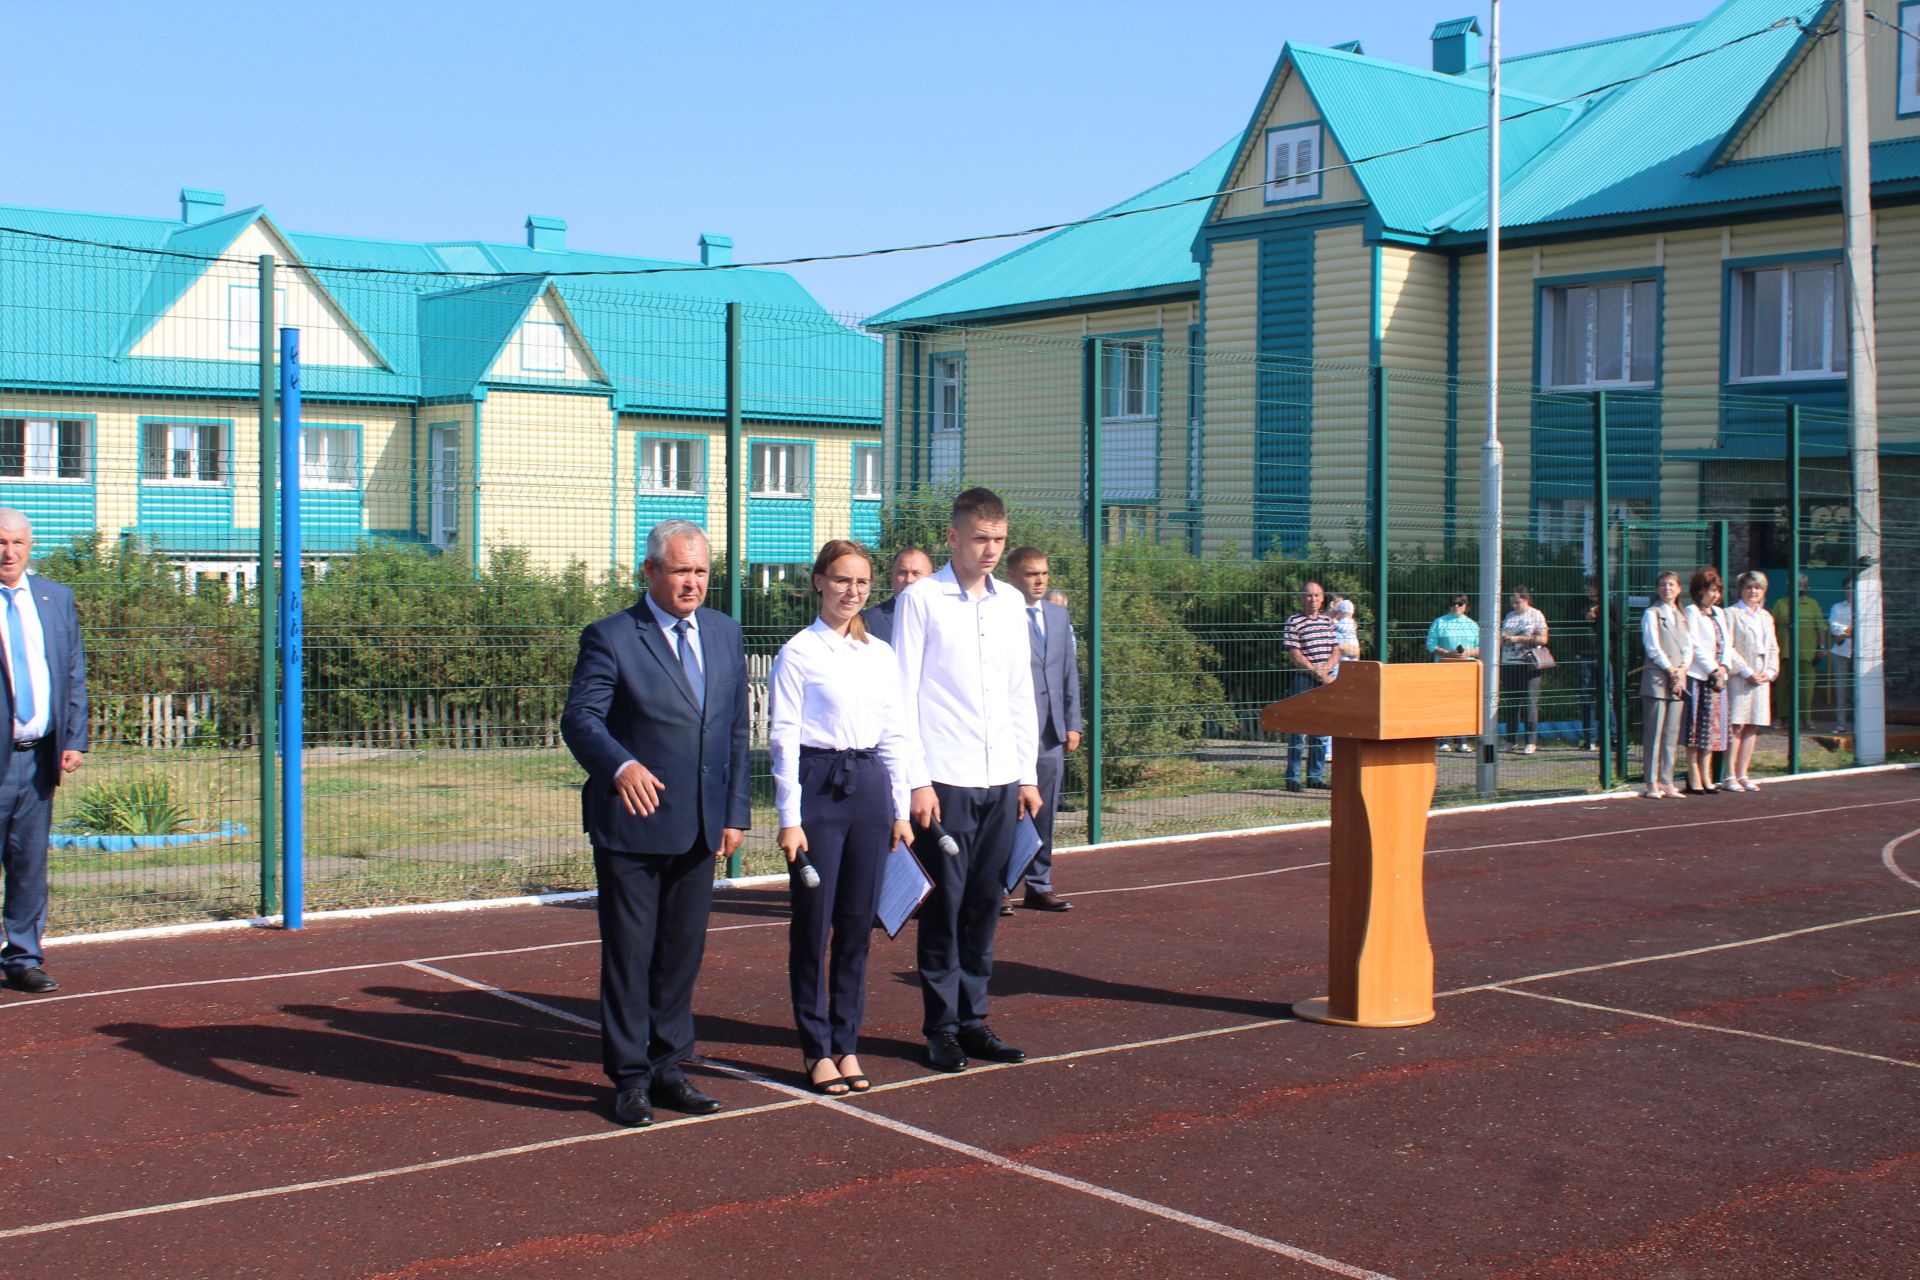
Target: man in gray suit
x,y
657,716
909,566
46,697
1056,694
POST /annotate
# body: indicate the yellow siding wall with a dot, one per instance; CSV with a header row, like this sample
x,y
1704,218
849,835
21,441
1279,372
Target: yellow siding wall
x,y
1804,114
1288,104
546,476
1413,343
1897,314
1232,332
196,326
1413,309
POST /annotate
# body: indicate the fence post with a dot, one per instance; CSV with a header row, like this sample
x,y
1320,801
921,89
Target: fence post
x,y
1794,531
1092,512
1377,467
266,583
1602,675
736,507
293,880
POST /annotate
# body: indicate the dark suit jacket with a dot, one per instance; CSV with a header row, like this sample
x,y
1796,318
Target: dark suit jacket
x,y
630,701
879,619
1056,679
66,675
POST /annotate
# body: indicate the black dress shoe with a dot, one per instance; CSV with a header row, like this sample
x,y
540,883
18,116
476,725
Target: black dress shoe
x,y
944,1052
682,1096
32,981
631,1108
1319,784
982,1043
1006,905
1045,900
1294,786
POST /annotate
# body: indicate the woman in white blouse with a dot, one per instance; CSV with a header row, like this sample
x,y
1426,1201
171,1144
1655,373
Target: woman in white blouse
x,y
1750,706
840,772
1523,635
1703,716
1663,681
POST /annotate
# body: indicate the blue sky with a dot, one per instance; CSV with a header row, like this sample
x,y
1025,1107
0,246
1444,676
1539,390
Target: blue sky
x,y
797,126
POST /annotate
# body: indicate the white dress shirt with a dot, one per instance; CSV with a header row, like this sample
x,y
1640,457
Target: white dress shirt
x,y
37,672
841,694
966,681
1840,627
668,622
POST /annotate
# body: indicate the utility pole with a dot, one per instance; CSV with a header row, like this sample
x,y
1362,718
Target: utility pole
x,y
1492,461
1863,393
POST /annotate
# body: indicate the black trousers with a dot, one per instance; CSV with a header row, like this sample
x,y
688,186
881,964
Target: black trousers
x,y
847,811
958,919
653,932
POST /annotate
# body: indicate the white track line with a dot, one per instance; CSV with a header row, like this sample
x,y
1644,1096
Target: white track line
x,y
1674,826
1887,858
1181,884
1706,1026
524,1001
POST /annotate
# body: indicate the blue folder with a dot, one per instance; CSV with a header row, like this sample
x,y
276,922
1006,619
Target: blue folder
x,y
1026,843
904,885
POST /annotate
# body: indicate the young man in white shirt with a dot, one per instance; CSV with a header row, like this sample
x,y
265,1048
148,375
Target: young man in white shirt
x,y
967,685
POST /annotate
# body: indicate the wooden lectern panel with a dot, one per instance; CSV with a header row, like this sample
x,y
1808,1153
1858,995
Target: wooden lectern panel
x,y
1379,702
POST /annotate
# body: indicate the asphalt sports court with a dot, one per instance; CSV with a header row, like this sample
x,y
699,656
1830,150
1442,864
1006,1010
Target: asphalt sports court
x,y
1675,1039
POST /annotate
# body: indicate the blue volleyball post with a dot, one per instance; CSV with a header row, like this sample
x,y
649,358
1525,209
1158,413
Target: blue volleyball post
x,y
293,890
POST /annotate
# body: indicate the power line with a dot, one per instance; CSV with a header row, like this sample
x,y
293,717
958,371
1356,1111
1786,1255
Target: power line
x,y
955,242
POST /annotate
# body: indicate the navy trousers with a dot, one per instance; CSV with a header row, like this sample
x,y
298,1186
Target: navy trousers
x,y
847,811
958,919
26,810
1049,765
653,933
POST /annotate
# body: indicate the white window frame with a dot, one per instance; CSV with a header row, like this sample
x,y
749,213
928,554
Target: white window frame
x,y
543,347
1588,299
40,441
326,450
1129,397
946,415
443,485
1294,160
867,473
243,315
1832,320
778,469
192,441
665,461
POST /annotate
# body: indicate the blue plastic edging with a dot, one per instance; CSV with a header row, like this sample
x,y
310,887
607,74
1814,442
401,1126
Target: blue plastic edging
x,y
128,844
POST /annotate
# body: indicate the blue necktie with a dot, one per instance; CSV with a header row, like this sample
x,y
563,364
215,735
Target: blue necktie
x,y
1033,625
23,707
691,664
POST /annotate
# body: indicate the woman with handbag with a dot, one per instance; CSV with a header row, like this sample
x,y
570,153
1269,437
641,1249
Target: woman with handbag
x,y
1663,682
1750,708
1703,716
1523,656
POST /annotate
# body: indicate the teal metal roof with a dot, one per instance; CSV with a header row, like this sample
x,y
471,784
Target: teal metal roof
x,y
436,315
1456,27
1581,68
1146,251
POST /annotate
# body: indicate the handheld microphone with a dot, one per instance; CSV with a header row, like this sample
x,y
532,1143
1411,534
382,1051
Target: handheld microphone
x,y
948,845
808,876
1459,648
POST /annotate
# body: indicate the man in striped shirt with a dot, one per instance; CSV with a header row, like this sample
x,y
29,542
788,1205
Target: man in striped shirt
x,y
1312,646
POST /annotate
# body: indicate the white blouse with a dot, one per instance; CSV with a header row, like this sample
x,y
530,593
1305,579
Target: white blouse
x,y
1712,634
837,693
1754,640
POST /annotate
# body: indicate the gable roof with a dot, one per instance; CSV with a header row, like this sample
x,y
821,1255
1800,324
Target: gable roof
x,y
1115,258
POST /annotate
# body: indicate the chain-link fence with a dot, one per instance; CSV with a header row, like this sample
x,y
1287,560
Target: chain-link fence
x,y
482,454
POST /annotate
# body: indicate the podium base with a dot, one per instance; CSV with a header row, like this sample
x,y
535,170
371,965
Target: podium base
x,y
1317,1011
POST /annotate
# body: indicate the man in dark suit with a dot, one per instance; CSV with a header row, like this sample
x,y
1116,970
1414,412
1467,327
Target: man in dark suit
x,y
1056,696
46,693
657,716
909,567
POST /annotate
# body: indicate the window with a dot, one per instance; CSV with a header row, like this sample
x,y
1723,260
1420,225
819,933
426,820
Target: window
x,y
945,416
243,315
329,458
1126,382
43,449
443,485
1129,418
1293,163
1601,335
184,452
672,466
778,471
1568,522
866,471
1790,322
543,347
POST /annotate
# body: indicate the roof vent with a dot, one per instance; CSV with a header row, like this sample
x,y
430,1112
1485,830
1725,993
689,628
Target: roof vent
x,y
549,234
1456,45
715,250
198,206
1350,46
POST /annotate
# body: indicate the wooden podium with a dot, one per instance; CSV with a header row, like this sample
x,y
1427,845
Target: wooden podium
x,y
1385,719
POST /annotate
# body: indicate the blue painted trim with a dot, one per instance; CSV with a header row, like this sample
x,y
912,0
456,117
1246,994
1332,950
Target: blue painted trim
x,y
1283,391
413,467
1071,304
1345,214
1540,355
473,534
1899,43
1373,307
1728,267
613,488
1196,433
1156,371
1319,159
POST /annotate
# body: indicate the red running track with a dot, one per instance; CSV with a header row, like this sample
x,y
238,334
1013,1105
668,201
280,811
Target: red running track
x,y
1674,1039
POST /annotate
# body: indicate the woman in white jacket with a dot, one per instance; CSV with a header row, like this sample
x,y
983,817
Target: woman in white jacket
x,y
1750,708
1663,681
1703,716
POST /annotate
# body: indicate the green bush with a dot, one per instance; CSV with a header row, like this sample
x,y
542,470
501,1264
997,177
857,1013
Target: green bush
x,y
135,807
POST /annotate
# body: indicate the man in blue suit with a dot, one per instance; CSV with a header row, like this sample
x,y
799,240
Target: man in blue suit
x,y
1056,696
657,716
909,566
46,693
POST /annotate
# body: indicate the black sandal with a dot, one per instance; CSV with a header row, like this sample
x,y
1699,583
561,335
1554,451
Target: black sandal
x,y
835,1086
857,1084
